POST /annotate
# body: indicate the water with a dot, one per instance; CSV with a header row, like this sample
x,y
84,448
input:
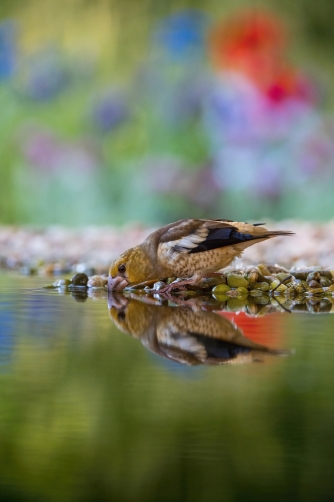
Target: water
x,y
91,413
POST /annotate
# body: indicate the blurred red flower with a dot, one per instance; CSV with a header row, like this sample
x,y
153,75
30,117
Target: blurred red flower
x,y
253,43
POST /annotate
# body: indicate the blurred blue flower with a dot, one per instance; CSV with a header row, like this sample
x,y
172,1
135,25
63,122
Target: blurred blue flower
x,y
7,334
109,111
46,75
183,34
8,48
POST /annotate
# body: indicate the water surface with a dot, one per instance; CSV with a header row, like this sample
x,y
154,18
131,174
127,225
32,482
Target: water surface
x,y
89,411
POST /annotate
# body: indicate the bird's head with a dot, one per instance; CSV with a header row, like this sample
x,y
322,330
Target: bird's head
x,y
131,267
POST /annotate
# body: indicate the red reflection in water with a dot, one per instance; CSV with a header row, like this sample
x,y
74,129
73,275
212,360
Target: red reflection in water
x,y
266,330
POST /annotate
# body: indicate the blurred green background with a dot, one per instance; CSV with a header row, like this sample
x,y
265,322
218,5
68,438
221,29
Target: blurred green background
x,y
152,111
88,414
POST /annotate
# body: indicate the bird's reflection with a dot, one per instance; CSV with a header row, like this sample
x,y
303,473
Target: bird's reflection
x,y
186,334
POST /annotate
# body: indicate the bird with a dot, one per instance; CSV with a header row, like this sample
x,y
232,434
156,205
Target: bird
x,y
184,335
189,249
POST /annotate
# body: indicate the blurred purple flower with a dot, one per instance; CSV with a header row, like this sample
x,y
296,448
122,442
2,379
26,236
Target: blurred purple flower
x,y
232,110
45,151
41,149
315,155
182,35
185,102
237,112
109,111
261,147
169,177
269,181
257,173
8,48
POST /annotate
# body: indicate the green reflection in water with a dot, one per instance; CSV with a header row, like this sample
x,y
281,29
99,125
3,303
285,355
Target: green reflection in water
x,y
87,413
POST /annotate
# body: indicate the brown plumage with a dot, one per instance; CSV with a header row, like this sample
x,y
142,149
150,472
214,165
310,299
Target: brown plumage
x,y
186,248
186,336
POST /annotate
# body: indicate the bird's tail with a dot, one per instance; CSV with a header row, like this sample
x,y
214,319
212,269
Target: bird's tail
x,y
273,233
247,235
257,231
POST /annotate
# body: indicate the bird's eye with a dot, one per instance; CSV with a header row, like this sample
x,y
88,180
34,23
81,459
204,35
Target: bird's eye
x,y
121,316
121,268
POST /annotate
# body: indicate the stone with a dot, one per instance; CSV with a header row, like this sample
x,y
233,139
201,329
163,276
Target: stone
x,y
237,281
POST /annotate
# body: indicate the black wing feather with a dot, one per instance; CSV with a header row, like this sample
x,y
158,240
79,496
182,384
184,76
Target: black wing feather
x,y
221,237
221,349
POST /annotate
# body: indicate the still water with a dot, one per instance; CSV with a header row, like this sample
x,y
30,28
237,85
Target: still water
x,y
145,402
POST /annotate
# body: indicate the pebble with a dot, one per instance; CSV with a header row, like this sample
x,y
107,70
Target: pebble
x,y
314,284
253,275
97,281
79,280
221,289
210,282
264,270
263,286
236,281
158,285
313,276
283,276
325,282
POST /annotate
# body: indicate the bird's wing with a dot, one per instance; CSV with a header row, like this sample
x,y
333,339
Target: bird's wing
x,y
194,236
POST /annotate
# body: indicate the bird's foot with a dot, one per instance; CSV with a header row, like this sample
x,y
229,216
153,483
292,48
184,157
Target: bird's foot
x,y
179,285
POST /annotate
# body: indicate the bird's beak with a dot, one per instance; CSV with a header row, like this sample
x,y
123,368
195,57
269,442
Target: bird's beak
x,y
116,283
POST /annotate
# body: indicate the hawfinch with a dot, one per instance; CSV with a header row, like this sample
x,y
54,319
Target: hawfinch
x,y
187,248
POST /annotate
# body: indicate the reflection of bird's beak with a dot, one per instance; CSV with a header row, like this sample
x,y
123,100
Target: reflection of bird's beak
x,y
116,283
116,301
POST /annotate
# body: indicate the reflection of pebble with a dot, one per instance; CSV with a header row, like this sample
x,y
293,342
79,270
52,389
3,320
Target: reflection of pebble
x,y
62,283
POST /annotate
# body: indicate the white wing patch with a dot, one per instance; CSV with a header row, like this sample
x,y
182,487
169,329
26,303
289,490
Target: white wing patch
x,y
171,337
190,241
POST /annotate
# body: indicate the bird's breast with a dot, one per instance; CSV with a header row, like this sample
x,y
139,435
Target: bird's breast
x,y
183,264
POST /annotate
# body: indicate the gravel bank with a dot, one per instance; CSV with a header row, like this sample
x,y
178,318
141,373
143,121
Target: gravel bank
x,y
57,250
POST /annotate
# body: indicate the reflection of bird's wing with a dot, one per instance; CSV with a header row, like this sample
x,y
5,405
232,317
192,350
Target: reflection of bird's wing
x,y
186,321
197,334
205,336
170,336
